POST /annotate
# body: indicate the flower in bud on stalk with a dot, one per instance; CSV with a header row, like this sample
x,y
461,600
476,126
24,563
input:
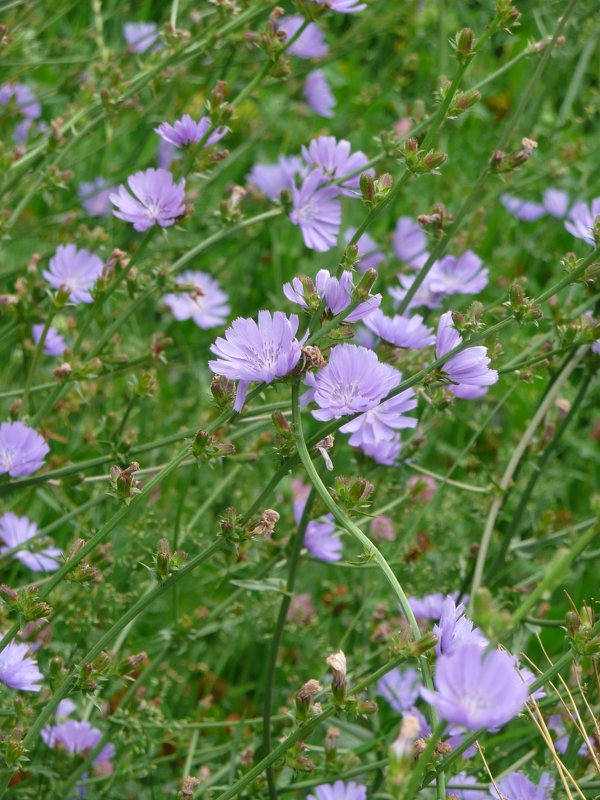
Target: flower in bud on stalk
x,y
205,446
129,664
166,562
123,484
350,256
362,290
331,737
223,392
367,187
463,42
266,524
463,101
337,662
305,698
433,160
352,493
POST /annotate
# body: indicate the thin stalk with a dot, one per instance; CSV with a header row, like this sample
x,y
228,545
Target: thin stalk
x,y
512,465
293,562
36,359
418,770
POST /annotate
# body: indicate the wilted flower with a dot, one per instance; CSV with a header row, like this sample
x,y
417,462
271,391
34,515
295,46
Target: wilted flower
x,y
54,344
339,790
580,221
369,254
317,211
140,35
476,689
207,305
252,352
343,7
468,370
18,670
335,160
159,199
409,240
517,787
95,197
454,629
22,450
337,293
15,531
185,132
78,270
318,94
311,42
400,688
272,179
408,332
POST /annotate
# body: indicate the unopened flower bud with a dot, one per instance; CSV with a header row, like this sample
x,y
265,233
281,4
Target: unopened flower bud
x,y
337,663
305,697
362,290
464,41
367,187
163,558
331,738
433,160
223,392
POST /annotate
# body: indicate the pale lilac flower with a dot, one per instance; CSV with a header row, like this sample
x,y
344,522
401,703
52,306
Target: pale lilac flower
x,y
430,606
516,786
556,202
337,293
311,42
454,629
379,424
522,209
256,352
469,368
408,332
369,254
382,528
15,531
462,275
401,688
424,296
335,160
26,105
385,451
343,7
476,689
208,308
556,724
140,35
409,240
339,790
318,95
95,197
77,738
185,132
78,270
365,338
466,794
159,199
353,380
18,670
317,211
319,537
22,450
580,221
272,179
167,153
54,344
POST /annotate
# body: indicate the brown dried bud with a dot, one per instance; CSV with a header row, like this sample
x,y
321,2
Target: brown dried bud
x,y
266,524
312,356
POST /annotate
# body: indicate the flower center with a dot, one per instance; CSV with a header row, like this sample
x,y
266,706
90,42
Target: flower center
x,y
345,393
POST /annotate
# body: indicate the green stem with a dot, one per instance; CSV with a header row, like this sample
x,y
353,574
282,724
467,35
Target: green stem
x,y
512,465
36,359
418,770
293,562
